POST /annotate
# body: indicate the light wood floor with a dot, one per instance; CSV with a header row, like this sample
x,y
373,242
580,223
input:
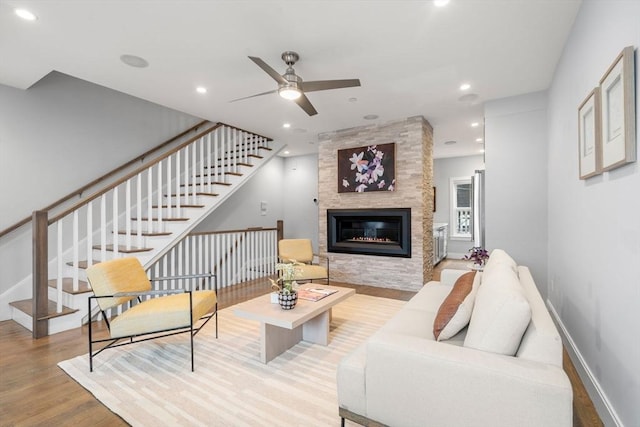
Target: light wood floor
x,y
35,392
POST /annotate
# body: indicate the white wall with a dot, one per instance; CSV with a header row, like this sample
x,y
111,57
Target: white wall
x,y
300,188
594,230
516,180
443,170
243,208
288,186
64,132
58,136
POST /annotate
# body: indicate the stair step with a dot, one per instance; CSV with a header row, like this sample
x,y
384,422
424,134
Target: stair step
x,y
83,264
123,249
26,306
226,165
226,173
146,233
175,206
255,156
206,183
164,219
67,286
197,194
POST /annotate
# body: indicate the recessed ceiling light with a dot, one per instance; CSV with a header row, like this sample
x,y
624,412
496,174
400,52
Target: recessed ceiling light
x,y
465,86
370,117
449,142
440,3
201,89
475,124
478,139
286,152
286,125
353,99
482,150
134,61
25,14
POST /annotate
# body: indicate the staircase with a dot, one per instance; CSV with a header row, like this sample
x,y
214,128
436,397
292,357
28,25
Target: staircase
x,y
143,214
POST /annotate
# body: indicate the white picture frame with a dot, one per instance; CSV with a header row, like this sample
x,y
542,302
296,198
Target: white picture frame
x,y
617,119
589,137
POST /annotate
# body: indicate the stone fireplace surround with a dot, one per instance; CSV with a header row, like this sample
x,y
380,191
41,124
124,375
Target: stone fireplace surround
x,y
414,171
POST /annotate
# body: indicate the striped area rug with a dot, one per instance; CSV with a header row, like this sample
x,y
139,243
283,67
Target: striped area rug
x,y
151,384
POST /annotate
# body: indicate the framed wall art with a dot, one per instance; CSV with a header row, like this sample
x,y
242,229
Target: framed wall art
x,y
366,169
589,138
617,103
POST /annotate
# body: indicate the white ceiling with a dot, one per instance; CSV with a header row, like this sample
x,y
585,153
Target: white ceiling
x,y
410,57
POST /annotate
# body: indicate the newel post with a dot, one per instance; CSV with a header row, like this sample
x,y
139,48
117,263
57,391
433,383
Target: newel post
x,y
40,273
280,228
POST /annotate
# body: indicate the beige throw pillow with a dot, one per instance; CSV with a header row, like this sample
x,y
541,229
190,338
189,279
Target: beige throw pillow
x,y
455,311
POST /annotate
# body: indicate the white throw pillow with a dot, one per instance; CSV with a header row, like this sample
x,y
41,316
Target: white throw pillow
x,y
497,258
501,313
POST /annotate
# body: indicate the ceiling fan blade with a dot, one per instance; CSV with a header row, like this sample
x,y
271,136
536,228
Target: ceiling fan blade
x,y
253,96
329,84
267,69
305,104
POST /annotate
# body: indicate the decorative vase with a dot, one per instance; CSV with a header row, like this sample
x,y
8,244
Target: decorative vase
x,y
288,301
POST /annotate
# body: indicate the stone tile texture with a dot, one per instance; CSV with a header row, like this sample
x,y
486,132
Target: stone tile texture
x,y
414,189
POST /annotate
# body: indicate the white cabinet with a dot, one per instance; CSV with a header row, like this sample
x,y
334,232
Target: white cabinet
x,y
440,235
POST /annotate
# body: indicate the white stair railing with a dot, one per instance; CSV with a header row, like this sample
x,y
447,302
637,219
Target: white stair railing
x,y
234,256
134,214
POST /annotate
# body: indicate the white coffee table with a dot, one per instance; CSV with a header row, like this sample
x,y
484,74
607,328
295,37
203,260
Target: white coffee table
x,y
282,329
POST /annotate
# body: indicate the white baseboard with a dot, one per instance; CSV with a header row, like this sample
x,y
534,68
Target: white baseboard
x,y
605,410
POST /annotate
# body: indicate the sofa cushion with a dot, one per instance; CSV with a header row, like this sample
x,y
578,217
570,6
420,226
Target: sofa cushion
x,y
498,260
455,311
500,315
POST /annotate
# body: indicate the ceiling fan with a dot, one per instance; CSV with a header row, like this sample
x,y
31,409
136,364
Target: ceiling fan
x,y
292,87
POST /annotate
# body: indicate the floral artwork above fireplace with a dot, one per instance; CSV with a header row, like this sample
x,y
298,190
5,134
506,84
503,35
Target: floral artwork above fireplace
x,y
368,168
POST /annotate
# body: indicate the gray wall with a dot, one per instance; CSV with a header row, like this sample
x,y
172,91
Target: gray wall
x,y
64,132
443,170
288,185
56,137
516,180
243,208
594,231
300,188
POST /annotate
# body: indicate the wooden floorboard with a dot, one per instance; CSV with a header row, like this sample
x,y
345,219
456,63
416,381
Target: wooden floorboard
x,y
35,392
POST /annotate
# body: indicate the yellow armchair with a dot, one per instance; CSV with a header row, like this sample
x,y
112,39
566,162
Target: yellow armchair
x,y
300,250
147,313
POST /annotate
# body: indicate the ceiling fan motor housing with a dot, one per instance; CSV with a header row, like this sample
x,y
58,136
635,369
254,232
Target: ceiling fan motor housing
x,y
293,80
290,57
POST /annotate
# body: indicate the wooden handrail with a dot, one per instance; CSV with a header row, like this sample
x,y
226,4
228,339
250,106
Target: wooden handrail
x,y
108,175
208,233
141,169
131,175
247,131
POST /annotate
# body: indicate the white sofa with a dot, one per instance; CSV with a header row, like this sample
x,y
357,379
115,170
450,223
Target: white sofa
x,y
402,376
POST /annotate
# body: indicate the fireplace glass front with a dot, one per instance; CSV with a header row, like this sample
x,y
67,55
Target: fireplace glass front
x,y
383,232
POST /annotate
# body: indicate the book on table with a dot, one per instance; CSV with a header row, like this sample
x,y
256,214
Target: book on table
x,y
315,294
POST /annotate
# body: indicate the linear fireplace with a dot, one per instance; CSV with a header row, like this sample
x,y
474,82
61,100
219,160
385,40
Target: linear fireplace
x,y
383,232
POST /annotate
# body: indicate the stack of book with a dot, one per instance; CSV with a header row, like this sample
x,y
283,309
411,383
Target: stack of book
x,y
315,294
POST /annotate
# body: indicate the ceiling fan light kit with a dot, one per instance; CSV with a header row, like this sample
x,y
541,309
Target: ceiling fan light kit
x,y
292,87
289,93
